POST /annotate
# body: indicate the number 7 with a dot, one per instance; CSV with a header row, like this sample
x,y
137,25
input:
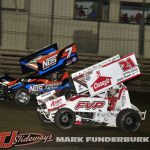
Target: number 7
x,y
68,50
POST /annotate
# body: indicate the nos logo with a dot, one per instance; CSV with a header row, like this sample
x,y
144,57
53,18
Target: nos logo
x,y
89,105
49,62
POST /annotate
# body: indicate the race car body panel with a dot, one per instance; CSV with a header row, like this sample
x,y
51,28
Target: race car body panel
x,y
35,84
45,85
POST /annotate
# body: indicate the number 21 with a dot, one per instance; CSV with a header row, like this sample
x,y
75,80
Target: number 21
x,y
127,64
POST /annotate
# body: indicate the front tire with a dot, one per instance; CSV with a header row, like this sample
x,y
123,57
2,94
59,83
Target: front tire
x,y
128,120
43,119
22,97
65,118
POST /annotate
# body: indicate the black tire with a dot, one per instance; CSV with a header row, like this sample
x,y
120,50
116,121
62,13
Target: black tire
x,y
22,97
69,94
42,119
128,120
65,118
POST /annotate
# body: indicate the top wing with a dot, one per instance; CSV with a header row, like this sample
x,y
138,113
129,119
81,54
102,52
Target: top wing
x,y
29,62
79,77
58,59
103,78
50,59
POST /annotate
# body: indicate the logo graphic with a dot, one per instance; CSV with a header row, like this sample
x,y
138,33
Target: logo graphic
x,y
41,87
56,102
10,139
49,62
89,105
80,87
38,87
7,139
101,83
74,59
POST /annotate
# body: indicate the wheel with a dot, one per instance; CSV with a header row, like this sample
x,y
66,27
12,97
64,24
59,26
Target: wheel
x,y
65,118
43,119
69,94
128,120
22,97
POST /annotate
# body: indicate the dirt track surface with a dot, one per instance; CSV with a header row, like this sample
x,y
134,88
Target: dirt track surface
x,y
25,120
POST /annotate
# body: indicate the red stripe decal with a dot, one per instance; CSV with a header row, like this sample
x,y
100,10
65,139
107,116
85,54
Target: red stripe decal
x,y
56,107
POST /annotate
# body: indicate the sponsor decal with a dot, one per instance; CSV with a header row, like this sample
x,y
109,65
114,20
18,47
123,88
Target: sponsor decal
x,y
80,87
56,102
101,82
74,59
11,139
40,87
69,62
89,105
52,86
87,78
48,93
49,62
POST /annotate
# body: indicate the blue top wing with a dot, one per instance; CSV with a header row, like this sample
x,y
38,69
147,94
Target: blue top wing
x,y
49,59
29,63
58,60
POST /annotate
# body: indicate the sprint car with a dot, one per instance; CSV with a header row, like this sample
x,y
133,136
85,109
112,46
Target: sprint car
x,y
102,99
46,68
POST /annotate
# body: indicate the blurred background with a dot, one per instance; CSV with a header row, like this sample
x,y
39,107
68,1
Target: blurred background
x,y
100,28
103,27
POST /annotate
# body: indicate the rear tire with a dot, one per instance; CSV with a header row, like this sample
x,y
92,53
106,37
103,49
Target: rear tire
x,y
128,120
22,97
65,118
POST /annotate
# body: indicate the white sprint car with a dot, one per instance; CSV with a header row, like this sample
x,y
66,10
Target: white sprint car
x,y
101,98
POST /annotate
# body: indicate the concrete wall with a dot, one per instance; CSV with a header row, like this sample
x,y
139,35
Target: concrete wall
x,y
83,33
39,23
122,30
113,38
14,30
20,4
64,8
14,25
118,38
147,42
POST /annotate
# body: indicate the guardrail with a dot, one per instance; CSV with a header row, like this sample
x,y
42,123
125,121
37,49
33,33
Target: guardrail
x,y
9,63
